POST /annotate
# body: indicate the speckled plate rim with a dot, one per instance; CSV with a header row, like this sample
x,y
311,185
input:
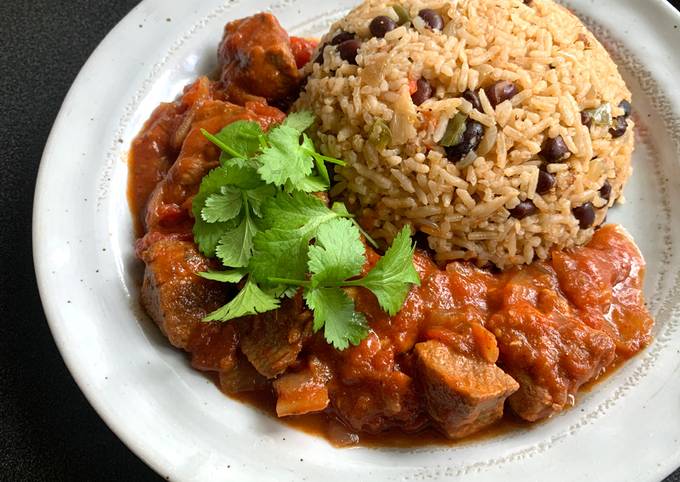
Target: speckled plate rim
x,y
177,422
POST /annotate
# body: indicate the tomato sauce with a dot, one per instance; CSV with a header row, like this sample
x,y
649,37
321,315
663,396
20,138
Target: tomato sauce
x,y
471,350
323,426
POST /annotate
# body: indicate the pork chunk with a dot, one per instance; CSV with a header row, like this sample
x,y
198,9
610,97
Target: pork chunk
x,y
378,403
372,393
550,356
273,340
544,342
156,147
175,297
604,280
169,205
213,347
462,394
242,377
257,59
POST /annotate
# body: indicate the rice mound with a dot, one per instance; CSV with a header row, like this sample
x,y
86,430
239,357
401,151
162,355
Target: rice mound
x,y
465,207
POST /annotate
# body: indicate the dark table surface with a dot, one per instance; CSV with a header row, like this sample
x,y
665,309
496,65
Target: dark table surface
x,y
48,431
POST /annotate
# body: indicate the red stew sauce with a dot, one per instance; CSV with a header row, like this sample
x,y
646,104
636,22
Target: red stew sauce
x,y
471,349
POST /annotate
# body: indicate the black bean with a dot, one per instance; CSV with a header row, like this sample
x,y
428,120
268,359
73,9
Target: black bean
x,y
472,97
381,25
524,209
474,131
432,18
348,50
586,118
546,182
606,191
585,215
422,241
555,150
319,58
501,91
342,37
423,92
627,108
528,2
620,127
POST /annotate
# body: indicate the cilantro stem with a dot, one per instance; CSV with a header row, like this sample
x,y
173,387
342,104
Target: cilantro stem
x,y
321,157
263,142
221,144
335,284
368,237
308,284
341,284
291,282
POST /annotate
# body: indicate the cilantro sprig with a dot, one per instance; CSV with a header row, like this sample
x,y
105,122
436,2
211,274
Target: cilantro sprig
x,y
257,215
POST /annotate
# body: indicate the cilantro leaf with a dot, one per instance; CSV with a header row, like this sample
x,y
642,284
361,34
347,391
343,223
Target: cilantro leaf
x,y
240,139
207,231
236,245
255,213
210,184
251,300
284,160
243,177
279,253
279,291
338,253
258,196
207,235
224,206
300,121
334,311
308,184
231,276
296,211
227,161
391,278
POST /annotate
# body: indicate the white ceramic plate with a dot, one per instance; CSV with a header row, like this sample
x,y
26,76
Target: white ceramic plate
x,y
627,429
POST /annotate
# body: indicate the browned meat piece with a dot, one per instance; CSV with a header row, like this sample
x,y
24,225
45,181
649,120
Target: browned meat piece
x,y
550,353
375,404
149,239
303,391
172,294
462,394
272,341
605,281
242,377
371,392
257,60
213,347
169,205
156,147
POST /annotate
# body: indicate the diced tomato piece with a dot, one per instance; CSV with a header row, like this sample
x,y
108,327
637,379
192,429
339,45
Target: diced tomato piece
x,y
302,50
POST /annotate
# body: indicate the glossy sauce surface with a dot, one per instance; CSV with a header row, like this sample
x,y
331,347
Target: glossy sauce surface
x,y
468,346
321,425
